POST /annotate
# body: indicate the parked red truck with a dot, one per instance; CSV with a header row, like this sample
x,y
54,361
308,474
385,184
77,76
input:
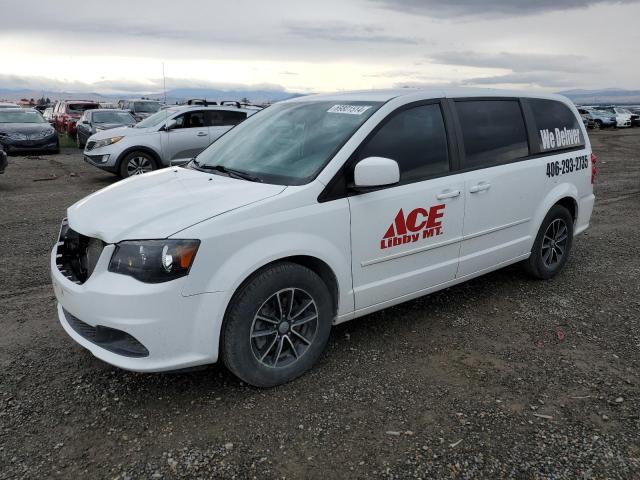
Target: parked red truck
x,y
67,112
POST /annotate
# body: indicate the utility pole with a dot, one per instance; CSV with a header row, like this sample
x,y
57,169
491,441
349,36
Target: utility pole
x,y
164,85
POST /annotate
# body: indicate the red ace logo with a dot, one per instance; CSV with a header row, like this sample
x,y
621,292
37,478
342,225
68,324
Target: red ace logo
x,y
419,223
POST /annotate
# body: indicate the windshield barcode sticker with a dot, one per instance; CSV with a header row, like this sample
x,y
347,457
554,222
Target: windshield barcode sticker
x,y
349,109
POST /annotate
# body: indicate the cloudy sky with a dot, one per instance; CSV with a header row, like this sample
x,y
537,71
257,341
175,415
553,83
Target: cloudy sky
x,y
306,46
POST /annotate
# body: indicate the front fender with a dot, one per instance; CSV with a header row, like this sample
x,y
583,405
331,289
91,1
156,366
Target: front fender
x,y
249,258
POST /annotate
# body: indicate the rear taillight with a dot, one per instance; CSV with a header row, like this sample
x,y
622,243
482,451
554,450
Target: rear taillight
x,y
594,170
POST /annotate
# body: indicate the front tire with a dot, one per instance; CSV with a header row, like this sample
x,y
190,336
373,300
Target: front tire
x,y
136,163
553,243
277,325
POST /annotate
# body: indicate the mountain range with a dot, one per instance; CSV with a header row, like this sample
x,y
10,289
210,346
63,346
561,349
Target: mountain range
x,y
172,96
178,95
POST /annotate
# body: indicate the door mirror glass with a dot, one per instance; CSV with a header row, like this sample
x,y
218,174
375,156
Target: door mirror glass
x,y
376,172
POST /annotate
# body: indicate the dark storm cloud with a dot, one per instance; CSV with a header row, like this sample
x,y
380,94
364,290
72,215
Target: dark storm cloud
x,y
517,62
345,32
489,8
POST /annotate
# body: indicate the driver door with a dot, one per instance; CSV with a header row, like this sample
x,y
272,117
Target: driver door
x,y
406,237
186,139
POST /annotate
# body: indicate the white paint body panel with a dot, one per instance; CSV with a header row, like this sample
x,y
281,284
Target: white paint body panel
x,y
243,226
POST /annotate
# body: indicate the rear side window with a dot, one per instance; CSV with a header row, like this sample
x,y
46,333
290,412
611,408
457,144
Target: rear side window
x,y
416,139
493,132
216,118
557,128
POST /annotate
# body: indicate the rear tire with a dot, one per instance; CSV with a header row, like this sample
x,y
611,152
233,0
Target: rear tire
x,y
136,163
277,325
553,243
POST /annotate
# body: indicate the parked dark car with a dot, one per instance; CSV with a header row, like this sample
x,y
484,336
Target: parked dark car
x,y
26,130
67,112
93,121
3,160
140,109
600,119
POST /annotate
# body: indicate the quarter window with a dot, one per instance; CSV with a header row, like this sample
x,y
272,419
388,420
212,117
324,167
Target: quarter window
x,y
493,132
557,127
416,139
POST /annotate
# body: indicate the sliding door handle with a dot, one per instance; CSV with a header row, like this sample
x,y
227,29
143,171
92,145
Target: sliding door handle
x,y
448,194
480,187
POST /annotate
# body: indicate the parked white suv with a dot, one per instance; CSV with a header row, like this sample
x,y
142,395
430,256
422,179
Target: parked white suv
x,y
171,136
316,211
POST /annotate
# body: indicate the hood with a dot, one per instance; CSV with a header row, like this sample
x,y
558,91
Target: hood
x,y
108,126
161,203
25,128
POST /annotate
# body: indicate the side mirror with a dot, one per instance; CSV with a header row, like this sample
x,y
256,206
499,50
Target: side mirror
x,y
376,172
170,125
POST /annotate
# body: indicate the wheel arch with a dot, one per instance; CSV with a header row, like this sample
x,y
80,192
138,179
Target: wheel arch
x,y
138,148
565,194
315,264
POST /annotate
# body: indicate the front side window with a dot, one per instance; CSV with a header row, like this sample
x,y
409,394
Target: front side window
x,y
557,127
493,132
288,143
416,139
190,120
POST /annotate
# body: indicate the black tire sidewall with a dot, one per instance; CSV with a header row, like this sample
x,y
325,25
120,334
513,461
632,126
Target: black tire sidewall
x,y
122,168
235,344
538,267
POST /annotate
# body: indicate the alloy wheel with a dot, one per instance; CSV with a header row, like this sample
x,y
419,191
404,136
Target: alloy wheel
x,y
138,166
284,328
554,243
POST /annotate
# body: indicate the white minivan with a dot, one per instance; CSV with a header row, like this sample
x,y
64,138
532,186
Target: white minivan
x,y
315,211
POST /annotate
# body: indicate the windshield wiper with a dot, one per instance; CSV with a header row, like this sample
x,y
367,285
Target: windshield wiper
x,y
232,172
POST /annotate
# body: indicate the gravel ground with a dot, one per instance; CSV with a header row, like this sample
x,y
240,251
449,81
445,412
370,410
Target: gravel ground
x,y
501,377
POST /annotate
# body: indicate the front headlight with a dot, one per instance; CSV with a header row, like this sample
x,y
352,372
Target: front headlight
x,y
154,261
107,141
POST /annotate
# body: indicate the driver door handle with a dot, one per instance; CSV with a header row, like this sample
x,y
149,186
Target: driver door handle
x,y
202,134
448,194
480,187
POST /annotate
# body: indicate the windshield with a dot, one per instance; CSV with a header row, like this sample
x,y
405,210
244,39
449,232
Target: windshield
x,y
156,119
622,110
20,116
81,107
113,117
288,143
146,107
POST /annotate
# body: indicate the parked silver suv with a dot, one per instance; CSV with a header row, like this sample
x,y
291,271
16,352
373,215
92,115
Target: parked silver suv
x,y
171,136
